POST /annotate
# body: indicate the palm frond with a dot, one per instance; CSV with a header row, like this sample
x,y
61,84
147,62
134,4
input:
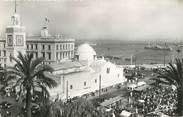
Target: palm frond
x,y
23,61
166,76
29,73
47,80
179,68
18,64
36,63
173,73
13,74
42,68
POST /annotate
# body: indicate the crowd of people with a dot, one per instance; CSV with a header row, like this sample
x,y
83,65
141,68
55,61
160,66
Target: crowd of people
x,y
155,99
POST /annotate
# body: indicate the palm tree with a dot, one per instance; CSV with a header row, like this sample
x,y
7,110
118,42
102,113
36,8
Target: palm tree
x,y
76,108
173,74
2,78
30,75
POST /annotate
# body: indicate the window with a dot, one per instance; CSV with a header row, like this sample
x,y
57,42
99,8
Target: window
x,y
43,54
36,46
66,54
49,47
27,46
10,58
32,46
118,75
49,55
60,55
60,46
57,47
57,55
71,87
84,83
108,70
95,80
4,53
42,47
36,54
63,47
63,54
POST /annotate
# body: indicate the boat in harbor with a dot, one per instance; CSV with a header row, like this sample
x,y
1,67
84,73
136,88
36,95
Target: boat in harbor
x,y
158,47
180,45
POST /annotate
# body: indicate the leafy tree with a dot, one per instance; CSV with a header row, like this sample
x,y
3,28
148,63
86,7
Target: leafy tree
x,y
30,75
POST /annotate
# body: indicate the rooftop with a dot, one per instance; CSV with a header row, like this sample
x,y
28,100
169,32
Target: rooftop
x,y
65,65
48,39
98,65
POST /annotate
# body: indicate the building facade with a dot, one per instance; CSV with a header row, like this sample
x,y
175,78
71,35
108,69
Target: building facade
x,y
85,75
52,48
3,57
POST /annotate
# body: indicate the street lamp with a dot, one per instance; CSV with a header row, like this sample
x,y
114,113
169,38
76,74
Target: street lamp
x,y
99,85
67,90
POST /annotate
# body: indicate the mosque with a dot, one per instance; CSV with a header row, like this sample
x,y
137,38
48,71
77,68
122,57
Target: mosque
x,y
86,74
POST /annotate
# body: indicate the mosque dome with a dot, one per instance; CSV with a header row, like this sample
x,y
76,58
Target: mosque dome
x,y
85,48
85,52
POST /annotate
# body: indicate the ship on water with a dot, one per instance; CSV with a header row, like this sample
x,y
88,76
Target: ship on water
x,y
158,47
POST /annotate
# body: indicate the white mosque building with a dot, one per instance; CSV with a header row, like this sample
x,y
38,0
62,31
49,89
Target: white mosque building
x,y
85,75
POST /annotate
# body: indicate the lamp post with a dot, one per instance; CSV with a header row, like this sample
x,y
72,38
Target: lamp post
x,y
67,90
164,57
135,57
178,51
131,60
135,60
99,85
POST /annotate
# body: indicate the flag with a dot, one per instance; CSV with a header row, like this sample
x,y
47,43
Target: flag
x,y
47,20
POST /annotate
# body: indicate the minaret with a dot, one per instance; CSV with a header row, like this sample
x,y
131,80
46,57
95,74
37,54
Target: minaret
x,y
15,38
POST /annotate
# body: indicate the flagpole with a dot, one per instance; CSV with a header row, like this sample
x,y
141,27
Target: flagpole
x,y
15,6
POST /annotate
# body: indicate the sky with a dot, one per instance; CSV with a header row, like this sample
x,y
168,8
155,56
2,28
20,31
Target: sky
x,y
100,19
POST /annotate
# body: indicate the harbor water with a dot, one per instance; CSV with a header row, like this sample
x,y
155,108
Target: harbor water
x,y
125,50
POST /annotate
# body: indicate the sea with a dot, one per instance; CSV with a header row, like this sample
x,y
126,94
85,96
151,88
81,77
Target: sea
x,y
125,50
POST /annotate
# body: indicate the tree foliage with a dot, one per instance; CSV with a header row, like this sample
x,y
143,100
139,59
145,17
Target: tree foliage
x,y
28,76
173,75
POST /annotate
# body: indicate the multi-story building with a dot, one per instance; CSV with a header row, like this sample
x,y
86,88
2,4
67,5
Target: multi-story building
x,y
52,48
3,52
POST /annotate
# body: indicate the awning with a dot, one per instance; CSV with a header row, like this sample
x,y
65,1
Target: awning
x,y
110,101
141,88
141,101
